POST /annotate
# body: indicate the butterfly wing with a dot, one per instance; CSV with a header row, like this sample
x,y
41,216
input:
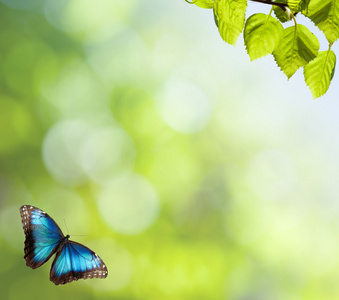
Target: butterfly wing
x,y
42,235
75,261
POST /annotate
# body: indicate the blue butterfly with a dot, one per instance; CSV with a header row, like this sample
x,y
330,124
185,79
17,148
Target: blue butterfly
x,y
73,261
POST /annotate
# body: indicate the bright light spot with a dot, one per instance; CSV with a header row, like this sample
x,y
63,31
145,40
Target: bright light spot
x,y
129,204
272,175
106,152
61,150
76,91
77,149
184,106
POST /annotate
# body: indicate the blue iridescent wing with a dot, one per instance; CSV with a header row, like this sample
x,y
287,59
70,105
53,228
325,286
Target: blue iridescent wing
x,y
75,261
42,234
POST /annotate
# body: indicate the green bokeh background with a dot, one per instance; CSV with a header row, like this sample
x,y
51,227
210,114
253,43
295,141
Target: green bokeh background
x,y
192,172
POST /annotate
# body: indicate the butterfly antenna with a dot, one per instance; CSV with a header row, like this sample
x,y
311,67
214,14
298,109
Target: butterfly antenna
x,y
72,234
66,226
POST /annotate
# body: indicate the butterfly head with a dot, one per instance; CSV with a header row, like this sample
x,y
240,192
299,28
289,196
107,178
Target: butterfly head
x,y
62,243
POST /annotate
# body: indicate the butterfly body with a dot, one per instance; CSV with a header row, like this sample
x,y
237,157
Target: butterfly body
x,y
44,238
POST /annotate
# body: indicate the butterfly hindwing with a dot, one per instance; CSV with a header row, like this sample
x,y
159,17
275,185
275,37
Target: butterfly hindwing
x,y
42,235
75,261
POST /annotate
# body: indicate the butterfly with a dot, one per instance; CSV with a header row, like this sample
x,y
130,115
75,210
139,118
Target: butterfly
x,y
73,261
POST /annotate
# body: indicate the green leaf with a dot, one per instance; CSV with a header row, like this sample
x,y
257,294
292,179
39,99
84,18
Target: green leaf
x,y
203,3
297,5
297,47
262,34
319,73
230,18
325,15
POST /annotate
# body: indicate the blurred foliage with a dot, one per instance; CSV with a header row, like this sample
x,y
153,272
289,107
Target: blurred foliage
x,y
114,116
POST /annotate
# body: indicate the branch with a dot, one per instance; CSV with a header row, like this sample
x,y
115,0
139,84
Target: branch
x,y
283,6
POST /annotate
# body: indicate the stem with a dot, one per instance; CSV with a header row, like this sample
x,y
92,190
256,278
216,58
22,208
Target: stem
x,y
270,2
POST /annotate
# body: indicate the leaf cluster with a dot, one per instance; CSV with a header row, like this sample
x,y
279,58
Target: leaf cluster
x,y
292,47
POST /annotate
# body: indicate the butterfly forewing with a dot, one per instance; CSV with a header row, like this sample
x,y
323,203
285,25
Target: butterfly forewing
x,y
42,235
74,262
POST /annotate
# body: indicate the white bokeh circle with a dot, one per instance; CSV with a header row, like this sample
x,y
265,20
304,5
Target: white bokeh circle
x,y
77,151
184,106
129,204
